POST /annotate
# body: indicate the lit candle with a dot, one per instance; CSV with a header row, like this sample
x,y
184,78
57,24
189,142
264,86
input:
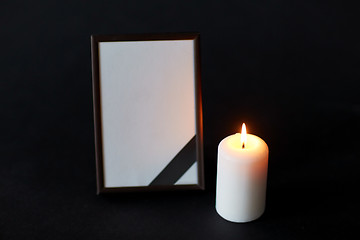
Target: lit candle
x,y
241,177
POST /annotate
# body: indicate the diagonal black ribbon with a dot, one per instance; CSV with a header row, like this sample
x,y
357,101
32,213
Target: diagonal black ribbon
x,y
178,166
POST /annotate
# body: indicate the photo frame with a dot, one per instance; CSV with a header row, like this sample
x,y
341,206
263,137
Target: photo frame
x,y
147,112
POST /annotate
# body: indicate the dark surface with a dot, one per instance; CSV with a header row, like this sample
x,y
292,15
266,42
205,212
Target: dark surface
x,y
290,70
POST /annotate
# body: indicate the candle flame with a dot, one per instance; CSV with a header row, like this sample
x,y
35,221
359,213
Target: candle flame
x,y
243,136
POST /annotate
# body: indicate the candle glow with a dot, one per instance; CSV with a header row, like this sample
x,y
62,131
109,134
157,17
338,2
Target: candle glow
x,y
243,136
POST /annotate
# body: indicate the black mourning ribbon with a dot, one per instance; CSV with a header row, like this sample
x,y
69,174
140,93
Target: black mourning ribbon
x,y
178,166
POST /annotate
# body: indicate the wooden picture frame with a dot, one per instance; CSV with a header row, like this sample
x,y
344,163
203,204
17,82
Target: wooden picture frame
x,y
147,112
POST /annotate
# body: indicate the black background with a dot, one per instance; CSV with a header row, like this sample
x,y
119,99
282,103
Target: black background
x,y
289,69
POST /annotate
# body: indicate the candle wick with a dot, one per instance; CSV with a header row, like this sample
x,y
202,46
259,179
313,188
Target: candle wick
x,y
243,145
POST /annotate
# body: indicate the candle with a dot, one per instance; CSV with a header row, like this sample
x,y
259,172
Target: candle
x,y
241,177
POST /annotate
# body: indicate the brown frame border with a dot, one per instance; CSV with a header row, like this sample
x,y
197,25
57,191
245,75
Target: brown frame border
x,y
95,39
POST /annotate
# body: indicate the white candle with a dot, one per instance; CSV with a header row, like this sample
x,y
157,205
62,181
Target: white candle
x,y
241,177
